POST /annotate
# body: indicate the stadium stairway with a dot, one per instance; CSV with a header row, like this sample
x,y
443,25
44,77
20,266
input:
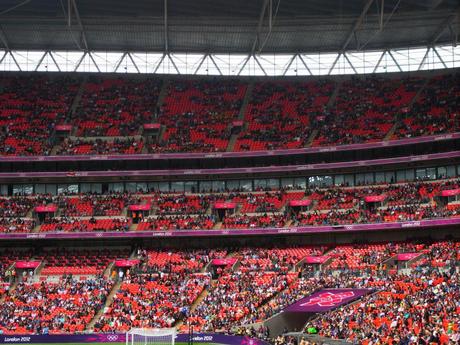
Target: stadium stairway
x,y
246,100
76,102
163,93
108,303
331,102
395,127
311,138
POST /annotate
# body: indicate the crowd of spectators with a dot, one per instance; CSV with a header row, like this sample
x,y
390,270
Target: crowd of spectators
x,y
100,147
49,308
116,106
435,111
198,115
30,108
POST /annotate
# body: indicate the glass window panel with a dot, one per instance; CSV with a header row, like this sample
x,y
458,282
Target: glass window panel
x,y
442,172
40,188
300,183
206,186
163,186
389,176
349,180
177,187
191,187
218,186
400,176
379,177
116,187
339,180
246,185
287,183
51,188
131,187
451,171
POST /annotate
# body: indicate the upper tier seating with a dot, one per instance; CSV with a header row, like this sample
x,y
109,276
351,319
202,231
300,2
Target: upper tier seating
x,y
199,115
30,107
116,107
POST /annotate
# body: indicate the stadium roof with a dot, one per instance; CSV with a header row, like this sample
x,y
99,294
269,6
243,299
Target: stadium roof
x,y
227,26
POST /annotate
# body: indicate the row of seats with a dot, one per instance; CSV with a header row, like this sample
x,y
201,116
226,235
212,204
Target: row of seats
x,y
199,115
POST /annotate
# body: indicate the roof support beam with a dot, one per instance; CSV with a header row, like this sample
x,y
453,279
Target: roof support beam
x,y
396,62
134,64
440,30
378,62
3,39
424,59
3,57
305,64
40,61
291,60
260,65
335,63
82,29
159,63
349,62
173,63
215,64
15,61
259,26
440,58
200,64
54,60
357,24
117,66
166,47
80,61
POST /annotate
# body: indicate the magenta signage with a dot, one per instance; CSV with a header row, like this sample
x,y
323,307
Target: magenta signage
x,y
63,128
49,208
406,256
450,192
375,198
304,202
152,126
223,262
326,299
27,264
143,207
126,262
224,205
316,259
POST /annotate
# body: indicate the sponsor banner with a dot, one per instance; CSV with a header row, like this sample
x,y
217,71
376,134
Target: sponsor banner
x,y
144,207
223,262
63,128
49,208
224,205
450,192
326,299
406,256
375,198
152,126
238,232
126,262
305,202
203,338
27,264
316,259
349,147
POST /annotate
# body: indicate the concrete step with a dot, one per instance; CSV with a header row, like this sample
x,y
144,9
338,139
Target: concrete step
x,y
107,304
247,98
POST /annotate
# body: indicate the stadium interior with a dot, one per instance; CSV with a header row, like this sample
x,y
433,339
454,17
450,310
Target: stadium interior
x,y
230,172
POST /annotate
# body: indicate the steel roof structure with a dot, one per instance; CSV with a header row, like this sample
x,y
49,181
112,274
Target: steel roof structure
x,y
205,31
